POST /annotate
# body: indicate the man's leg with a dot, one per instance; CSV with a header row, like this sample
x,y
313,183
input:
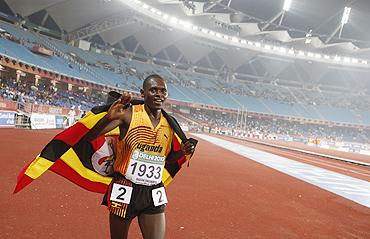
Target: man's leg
x,y
118,226
153,226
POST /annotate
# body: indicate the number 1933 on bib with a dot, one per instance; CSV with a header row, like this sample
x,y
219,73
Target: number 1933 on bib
x,y
145,168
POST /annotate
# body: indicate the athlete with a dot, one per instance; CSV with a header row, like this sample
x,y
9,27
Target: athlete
x,y
141,152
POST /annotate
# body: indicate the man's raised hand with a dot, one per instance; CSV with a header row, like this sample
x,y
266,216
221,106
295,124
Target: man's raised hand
x,y
118,108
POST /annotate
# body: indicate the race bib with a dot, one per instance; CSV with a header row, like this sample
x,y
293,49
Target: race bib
x,y
145,168
121,193
159,196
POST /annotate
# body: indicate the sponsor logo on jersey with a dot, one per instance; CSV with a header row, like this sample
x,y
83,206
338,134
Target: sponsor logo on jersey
x,y
151,148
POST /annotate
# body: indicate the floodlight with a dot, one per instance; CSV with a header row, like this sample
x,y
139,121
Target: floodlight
x,y
327,57
250,43
301,53
364,62
310,54
187,24
145,6
354,60
234,39
226,37
204,30
174,20
346,59
287,4
165,16
258,44
212,33
267,47
218,35
282,50
337,58
345,17
243,41
291,51
318,55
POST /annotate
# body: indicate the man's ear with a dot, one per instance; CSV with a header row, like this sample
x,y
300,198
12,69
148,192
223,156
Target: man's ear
x,y
142,93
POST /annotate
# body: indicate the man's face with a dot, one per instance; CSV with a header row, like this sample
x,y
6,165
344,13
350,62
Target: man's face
x,y
155,93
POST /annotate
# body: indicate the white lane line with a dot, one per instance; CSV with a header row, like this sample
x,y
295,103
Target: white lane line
x,y
324,163
348,187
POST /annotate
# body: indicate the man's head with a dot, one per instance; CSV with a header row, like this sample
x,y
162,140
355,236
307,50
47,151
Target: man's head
x,y
154,92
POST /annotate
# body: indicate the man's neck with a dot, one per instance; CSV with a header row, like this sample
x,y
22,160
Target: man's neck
x,y
153,113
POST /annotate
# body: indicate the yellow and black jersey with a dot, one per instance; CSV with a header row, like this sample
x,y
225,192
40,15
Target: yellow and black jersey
x,y
143,144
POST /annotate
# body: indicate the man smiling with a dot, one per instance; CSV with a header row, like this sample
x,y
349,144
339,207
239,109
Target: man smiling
x,y
142,150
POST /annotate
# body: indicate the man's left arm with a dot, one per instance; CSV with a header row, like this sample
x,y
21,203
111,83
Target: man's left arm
x,y
186,148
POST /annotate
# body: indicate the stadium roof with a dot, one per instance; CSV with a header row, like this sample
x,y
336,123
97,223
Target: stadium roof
x,y
119,24
322,17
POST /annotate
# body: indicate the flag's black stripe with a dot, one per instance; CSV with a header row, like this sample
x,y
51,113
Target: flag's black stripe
x,y
84,151
172,168
54,150
103,108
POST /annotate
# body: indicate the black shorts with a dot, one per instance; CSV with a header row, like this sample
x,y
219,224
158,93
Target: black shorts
x,y
141,199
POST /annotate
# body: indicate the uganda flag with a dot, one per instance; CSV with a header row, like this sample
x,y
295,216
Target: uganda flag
x,y
89,164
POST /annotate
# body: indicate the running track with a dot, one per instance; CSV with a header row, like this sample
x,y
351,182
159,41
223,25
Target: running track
x,y
221,195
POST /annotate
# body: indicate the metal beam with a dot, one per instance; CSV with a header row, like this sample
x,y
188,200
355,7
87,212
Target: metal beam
x,y
273,19
333,34
44,18
212,5
102,26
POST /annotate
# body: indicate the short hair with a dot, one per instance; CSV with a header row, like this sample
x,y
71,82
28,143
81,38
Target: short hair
x,y
148,78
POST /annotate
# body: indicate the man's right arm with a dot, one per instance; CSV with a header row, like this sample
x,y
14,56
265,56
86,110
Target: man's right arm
x,y
103,126
118,114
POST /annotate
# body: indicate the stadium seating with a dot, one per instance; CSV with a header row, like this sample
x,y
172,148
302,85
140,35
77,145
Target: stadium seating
x,y
186,86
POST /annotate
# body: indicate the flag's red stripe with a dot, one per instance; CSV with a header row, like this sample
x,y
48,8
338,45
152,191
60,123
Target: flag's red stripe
x,y
98,142
64,170
181,161
23,181
21,173
73,134
176,144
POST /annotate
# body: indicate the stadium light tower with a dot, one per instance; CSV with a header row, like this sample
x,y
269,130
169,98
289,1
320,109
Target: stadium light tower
x,y
287,4
344,21
286,7
345,18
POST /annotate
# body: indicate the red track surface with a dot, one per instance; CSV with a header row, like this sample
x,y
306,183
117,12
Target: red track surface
x,y
350,169
221,195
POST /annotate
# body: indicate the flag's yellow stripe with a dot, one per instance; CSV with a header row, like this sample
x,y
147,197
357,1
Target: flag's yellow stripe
x,y
38,167
178,138
72,160
91,119
113,132
166,177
